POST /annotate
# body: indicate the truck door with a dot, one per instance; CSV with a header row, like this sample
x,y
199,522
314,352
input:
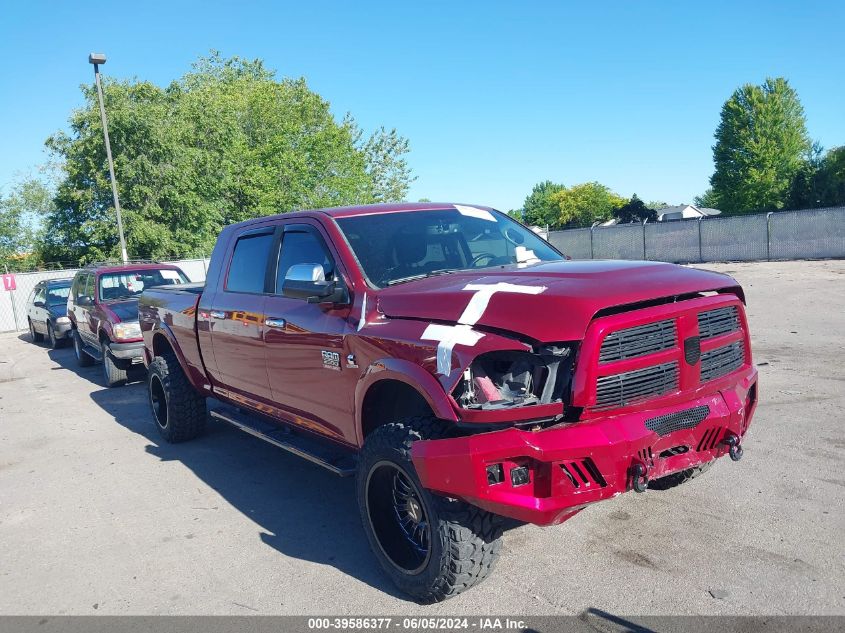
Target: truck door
x,y
235,315
311,377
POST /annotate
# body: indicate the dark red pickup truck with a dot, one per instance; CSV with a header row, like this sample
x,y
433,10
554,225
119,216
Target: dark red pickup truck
x,y
459,366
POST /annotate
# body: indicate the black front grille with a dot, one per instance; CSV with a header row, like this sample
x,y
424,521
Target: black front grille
x,y
671,422
719,321
623,389
722,361
638,341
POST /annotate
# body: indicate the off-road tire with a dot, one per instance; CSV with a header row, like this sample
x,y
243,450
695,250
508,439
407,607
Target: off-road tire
x,y
680,477
465,541
83,359
113,375
184,410
34,336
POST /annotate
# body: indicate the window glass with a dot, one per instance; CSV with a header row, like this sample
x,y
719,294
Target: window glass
x,y
249,263
126,284
87,288
57,295
302,248
39,294
401,246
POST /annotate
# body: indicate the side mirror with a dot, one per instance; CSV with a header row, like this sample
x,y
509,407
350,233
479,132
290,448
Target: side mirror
x,y
38,304
82,300
308,281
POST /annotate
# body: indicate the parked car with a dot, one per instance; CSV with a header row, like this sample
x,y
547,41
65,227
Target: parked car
x,y
103,311
46,312
458,366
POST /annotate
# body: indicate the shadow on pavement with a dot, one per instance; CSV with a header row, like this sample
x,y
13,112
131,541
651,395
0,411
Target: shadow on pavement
x,y
304,511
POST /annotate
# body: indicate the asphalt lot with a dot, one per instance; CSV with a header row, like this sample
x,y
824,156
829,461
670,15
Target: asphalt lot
x,y
97,515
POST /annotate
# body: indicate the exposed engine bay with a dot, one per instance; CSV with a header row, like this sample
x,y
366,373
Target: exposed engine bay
x,y
505,379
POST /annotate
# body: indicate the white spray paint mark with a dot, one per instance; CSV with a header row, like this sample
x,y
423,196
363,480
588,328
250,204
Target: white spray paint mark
x,y
462,334
475,212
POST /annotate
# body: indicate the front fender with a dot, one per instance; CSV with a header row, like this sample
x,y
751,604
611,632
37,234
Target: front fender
x,y
412,375
196,379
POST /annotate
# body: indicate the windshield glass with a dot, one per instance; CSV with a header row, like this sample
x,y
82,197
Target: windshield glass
x,y
130,283
57,295
402,246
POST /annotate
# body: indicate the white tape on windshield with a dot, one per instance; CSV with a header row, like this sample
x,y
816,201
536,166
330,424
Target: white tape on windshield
x,y
475,212
462,334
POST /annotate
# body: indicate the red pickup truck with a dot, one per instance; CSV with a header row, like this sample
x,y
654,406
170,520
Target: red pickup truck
x,y
459,366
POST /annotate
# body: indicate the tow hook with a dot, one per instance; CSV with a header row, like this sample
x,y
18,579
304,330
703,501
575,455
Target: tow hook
x,y
639,477
734,447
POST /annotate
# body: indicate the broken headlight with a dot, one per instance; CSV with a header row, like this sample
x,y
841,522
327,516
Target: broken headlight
x,y
513,379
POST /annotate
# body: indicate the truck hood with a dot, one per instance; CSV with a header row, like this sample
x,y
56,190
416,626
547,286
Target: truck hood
x,y
574,291
123,309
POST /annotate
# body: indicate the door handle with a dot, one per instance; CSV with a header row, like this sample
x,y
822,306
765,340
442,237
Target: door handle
x,y
217,314
274,322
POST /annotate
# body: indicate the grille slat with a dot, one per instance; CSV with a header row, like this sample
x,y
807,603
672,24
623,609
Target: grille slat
x,y
722,361
638,341
717,322
622,389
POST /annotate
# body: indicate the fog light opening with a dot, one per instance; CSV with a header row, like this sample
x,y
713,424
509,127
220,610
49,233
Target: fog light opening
x,y
520,476
495,474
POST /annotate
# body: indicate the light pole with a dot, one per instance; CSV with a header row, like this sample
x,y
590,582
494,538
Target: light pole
x,y
97,59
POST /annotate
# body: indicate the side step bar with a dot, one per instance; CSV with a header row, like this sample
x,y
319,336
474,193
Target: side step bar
x,y
336,460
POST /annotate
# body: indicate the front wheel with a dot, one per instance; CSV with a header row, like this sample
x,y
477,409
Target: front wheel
x,y
430,546
178,410
113,375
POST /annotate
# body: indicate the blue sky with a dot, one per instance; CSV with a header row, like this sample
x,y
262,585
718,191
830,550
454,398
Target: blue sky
x,y
494,96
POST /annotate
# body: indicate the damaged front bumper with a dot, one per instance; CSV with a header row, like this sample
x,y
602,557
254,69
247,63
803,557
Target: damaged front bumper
x,y
545,477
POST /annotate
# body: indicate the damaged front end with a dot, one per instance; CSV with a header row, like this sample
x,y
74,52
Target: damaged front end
x,y
511,380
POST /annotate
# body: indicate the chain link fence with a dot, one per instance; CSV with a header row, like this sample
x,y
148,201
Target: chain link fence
x,y
807,234
13,303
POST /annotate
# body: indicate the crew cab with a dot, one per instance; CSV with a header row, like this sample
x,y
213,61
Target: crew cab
x,y
459,366
103,311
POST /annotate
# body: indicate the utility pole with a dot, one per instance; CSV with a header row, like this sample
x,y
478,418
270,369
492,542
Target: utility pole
x,y
97,59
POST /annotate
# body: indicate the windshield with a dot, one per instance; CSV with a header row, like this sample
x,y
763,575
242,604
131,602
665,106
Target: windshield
x,y
57,295
130,283
397,247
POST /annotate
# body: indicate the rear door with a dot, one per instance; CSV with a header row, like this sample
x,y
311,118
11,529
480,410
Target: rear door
x,y
37,315
311,377
235,316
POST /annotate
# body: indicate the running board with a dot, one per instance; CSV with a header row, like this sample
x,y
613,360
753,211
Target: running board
x,y
337,461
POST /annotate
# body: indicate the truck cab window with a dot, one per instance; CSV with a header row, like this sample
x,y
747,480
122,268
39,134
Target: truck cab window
x,y
302,247
249,263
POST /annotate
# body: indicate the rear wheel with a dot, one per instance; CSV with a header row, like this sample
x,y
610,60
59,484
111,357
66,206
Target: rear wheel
x,y
34,336
178,410
430,546
680,477
113,375
82,359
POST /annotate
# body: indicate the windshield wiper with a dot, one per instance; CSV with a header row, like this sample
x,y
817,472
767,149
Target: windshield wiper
x,y
433,273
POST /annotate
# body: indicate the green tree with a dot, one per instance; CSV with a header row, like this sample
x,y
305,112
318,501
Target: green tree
x,y
706,199
761,142
225,143
820,182
634,210
20,213
581,205
538,208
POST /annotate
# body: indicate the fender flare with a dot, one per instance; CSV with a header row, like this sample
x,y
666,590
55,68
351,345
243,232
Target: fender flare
x,y
412,375
162,329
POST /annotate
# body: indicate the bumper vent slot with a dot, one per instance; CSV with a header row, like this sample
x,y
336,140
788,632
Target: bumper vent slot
x,y
717,322
638,341
671,422
722,361
620,390
583,473
709,440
